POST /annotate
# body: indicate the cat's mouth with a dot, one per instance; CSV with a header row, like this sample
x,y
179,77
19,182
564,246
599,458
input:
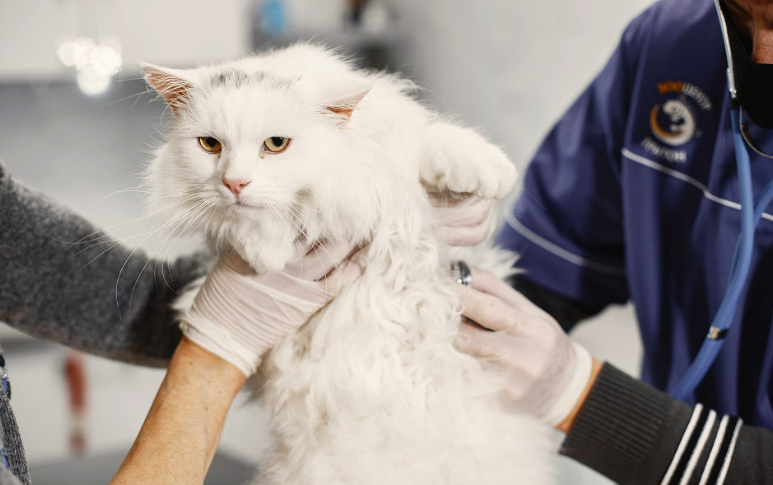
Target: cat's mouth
x,y
239,204
244,209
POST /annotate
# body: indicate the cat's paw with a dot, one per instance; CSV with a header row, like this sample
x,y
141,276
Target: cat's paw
x,y
460,160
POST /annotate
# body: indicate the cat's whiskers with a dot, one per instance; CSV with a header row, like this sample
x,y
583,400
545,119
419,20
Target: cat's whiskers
x,y
97,256
135,95
306,206
202,208
181,219
322,266
135,190
149,234
298,225
87,239
281,214
111,239
292,213
131,296
297,212
295,217
299,215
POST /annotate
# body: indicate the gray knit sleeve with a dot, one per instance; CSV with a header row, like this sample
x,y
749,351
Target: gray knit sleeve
x,y
635,434
53,290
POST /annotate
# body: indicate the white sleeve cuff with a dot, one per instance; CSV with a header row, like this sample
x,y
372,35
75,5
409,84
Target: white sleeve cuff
x,y
568,400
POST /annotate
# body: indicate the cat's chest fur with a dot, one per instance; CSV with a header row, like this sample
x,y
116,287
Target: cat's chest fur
x,y
372,391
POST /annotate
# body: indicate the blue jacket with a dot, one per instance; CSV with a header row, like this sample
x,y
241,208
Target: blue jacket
x,y
633,195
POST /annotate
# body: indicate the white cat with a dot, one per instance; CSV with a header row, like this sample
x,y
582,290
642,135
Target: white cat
x,y
371,390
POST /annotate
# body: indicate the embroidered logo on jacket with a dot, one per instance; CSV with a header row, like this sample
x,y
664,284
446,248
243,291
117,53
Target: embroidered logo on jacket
x,y
674,121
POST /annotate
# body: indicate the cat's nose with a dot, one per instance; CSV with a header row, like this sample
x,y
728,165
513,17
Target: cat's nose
x,y
236,185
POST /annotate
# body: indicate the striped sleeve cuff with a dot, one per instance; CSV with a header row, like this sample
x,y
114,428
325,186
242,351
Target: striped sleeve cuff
x,y
635,434
704,452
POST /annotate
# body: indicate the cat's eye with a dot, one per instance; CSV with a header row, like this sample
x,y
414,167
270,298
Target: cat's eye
x,y
210,144
276,144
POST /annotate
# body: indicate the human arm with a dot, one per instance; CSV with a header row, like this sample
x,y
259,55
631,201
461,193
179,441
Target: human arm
x,y
619,426
633,434
61,282
236,317
182,429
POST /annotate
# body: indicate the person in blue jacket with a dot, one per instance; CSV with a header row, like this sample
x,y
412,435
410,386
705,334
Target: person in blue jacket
x,y
633,196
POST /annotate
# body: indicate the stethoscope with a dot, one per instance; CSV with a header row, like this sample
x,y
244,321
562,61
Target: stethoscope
x,y
751,213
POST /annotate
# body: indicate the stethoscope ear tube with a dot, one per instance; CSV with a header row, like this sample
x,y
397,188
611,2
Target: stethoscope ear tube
x,y
751,213
728,53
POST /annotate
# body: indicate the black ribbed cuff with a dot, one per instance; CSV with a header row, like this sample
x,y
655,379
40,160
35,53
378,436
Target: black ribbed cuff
x,y
626,430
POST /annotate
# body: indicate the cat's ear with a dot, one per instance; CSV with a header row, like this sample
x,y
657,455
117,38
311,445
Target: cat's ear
x,y
344,108
173,84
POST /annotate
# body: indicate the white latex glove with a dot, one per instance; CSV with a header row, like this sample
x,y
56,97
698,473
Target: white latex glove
x,y
462,221
546,372
239,314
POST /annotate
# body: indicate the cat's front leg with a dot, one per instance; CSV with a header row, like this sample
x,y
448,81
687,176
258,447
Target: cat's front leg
x,y
460,160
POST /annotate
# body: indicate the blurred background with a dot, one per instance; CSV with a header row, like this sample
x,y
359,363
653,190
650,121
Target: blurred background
x,y
77,123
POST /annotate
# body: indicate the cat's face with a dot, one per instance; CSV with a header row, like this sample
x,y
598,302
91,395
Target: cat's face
x,y
256,160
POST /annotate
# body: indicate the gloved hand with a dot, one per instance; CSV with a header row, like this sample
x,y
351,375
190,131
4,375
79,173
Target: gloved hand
x,y
462,222
547,373
239,315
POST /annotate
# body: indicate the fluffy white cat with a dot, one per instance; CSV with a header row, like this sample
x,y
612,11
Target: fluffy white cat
x,y
371,390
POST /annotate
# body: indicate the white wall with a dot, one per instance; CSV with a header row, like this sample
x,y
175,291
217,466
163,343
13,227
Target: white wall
x,y
510,66
179,32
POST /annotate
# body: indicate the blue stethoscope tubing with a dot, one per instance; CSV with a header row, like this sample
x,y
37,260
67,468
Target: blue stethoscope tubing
x,y
751,213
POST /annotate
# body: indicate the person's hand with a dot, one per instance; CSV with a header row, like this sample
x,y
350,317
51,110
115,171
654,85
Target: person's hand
x,y
547,374
462,221
239,315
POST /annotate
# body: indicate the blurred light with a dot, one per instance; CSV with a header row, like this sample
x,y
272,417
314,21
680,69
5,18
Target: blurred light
x,y
96,63
273,18
92,82
66,53
106,60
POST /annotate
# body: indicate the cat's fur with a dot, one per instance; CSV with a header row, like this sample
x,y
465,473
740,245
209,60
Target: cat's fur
x,y
371,390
